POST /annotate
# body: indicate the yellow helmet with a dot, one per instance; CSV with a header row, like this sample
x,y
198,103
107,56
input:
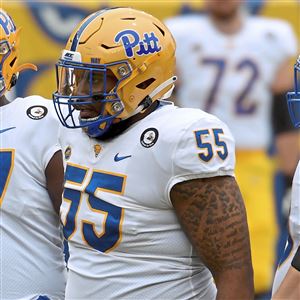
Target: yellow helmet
x,y
135,47
9,46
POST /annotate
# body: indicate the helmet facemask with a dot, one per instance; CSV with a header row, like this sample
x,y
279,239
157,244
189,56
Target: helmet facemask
x,y
92,88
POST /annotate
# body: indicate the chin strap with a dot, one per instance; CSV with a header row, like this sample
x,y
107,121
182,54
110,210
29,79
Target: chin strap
x,y
163,86
148,100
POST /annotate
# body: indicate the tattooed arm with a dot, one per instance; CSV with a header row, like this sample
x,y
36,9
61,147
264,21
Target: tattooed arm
x,y
212,214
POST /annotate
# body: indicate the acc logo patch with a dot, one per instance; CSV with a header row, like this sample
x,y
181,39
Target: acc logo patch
x,y
149,137
37,112
68,153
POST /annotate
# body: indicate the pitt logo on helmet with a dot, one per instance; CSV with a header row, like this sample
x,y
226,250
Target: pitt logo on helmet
x,y
131,39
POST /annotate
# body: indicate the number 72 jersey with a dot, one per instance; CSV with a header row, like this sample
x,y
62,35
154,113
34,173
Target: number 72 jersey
x,y
231,76
117,213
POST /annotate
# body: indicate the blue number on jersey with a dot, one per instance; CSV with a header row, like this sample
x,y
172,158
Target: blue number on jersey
x,y
75,175
224,153
100,180
207,148
243,106
6,167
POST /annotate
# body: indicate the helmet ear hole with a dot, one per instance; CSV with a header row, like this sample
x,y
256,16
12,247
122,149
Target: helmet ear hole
x,y
143,85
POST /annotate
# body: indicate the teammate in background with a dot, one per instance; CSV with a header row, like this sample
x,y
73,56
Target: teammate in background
x,y
31,179
235,66
287,277
151,208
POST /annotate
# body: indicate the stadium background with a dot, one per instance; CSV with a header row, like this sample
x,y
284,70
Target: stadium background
x,y
46,26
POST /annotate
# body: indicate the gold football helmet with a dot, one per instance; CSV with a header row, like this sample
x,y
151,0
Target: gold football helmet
x,y
9,46
130,45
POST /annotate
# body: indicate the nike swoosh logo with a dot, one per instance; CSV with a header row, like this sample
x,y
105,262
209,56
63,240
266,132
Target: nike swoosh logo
x,y
6,129
118,158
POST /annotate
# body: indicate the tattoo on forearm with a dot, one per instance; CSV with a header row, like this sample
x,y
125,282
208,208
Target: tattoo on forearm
x,y
212,214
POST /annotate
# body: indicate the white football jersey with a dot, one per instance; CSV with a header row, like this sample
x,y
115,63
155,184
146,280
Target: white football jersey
x,y
124,237
31,256
230,76
294,233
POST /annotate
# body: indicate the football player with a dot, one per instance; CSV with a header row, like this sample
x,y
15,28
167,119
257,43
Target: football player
x,y
287,277
240,69
151,208
31,179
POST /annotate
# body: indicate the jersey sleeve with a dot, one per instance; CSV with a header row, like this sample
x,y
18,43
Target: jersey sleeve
x,y
205,149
